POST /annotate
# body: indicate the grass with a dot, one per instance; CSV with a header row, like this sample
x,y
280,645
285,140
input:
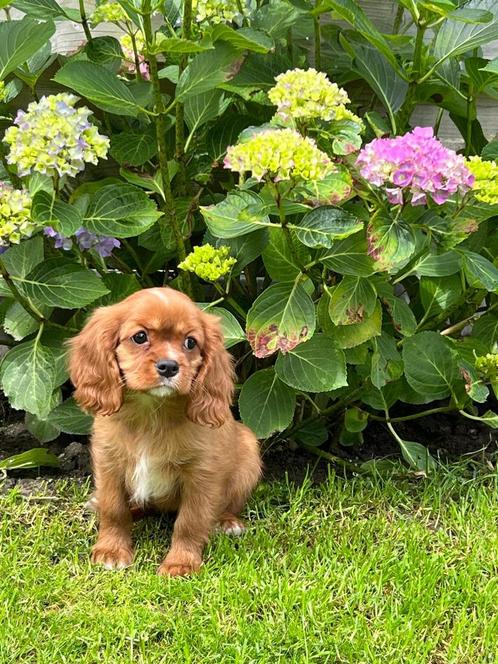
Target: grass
x,y
356,570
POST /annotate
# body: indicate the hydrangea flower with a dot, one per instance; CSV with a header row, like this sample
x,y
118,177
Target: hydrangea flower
x,y
127,48
215,11
416,163
54,137
102,244
108,12
486,179
307,94
208,263
2,91
15,221
279,154
487,366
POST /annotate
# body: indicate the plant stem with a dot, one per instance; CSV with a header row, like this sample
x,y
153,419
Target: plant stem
x,y
18,296
138,74
180,145
415,416
168,204
398,19
348,465
84,20
318,41
408,105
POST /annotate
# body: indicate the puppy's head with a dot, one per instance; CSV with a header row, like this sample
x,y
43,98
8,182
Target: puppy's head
x,y
156,342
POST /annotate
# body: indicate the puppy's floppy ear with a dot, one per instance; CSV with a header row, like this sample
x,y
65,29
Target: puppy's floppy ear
x,y
212,390
93,367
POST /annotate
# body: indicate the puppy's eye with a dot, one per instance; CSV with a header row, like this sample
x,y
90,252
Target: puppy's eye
x,y
140,337
190,343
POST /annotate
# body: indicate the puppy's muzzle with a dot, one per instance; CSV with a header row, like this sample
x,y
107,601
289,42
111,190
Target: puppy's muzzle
x,y
167,368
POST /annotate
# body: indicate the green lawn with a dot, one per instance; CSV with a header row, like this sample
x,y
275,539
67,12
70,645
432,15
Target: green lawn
x,y
363,570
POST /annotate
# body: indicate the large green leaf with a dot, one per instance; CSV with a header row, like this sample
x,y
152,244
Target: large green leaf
x,y
44,9
120,211
480,272
486,330
50,211
232,331
438,265
224,133
105,51
283,255
387,364
43,430
208,70
316,366
323,225
416,455
70,418
349,256
349,336
18,323
277,17
266,404
98,85
19,40
245,248
176,45
59,283
282,317
244,39
134,147
430,365
34,458
239,213
204,107
21,258
402,316
352,301
439,294
390,242
29,377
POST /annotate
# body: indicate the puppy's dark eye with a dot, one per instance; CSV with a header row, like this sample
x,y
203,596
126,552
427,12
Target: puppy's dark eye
x,y
140,337
190,343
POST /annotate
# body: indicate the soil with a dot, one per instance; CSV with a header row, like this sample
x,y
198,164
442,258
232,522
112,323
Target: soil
x,y
448,436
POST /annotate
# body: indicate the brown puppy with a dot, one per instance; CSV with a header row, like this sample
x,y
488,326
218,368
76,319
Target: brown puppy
x,y
154,371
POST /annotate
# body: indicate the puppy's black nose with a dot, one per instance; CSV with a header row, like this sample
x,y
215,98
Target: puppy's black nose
x,y
167,368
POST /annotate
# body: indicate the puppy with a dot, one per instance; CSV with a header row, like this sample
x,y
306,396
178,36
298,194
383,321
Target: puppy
x,y
154,371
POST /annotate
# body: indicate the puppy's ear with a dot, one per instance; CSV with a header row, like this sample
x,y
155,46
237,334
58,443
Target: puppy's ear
x,y
93,367
212,390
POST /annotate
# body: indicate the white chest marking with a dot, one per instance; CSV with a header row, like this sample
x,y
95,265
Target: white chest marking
x,y
150,481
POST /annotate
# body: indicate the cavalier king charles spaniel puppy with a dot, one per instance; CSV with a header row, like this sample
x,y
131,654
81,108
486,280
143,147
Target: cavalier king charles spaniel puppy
x,y
154,371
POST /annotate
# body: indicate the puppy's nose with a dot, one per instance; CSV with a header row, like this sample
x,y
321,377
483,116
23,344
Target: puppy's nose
x,y
167,368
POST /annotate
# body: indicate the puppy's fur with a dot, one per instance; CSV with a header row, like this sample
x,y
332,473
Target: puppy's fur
x,y
166,442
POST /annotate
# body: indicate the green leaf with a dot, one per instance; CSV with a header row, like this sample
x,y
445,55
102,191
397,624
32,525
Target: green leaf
x,y
176,45
71,419
18,323
43,430
224,133
44,9
333,189
349,336
282,317
208,70
277,17
266,404
315,366
21,258
58,283
50,211
486,329
19,40
105,51
239,213
349,256
232,331
390,242
120,211
399,311
244,249
244,39
280,259
438,265
489,418
352,301
387,364
355,420
416,455
99,86
134,147
437,295
480,272
203,108
323,225
28,377
34,458
490,151
430,365
313,433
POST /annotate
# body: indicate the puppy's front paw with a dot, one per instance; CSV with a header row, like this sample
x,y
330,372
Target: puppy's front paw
x,y
180,565
117,557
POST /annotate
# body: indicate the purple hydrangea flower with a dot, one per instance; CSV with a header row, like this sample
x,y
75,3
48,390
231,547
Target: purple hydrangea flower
x,y
103,244
417,164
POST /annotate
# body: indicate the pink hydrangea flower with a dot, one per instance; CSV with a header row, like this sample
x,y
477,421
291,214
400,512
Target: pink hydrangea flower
x,y
414,166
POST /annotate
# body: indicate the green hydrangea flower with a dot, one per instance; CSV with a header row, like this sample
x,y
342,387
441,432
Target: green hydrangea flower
x,y
485,185
109,12
215,11
279,154
208,263
54,137
15,210
307,94
2,91
487,366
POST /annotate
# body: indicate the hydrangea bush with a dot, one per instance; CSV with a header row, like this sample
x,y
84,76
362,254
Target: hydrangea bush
x,y
261,157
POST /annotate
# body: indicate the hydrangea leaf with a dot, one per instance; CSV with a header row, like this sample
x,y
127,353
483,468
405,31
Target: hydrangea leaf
x,y
390,243
333,189
349,256
316,366
19,40
239,213
281,261
349,336
105,51
34,458
43,430
205,107
402,316
244,39
486,329
430,365
232,331
438,265
21,258
386,365
282,317
120,211
134,147
19,324
266,403
320,227
416,455
71,419
51,211
208,70
43,9
438,295
244,248
352,301
480,272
